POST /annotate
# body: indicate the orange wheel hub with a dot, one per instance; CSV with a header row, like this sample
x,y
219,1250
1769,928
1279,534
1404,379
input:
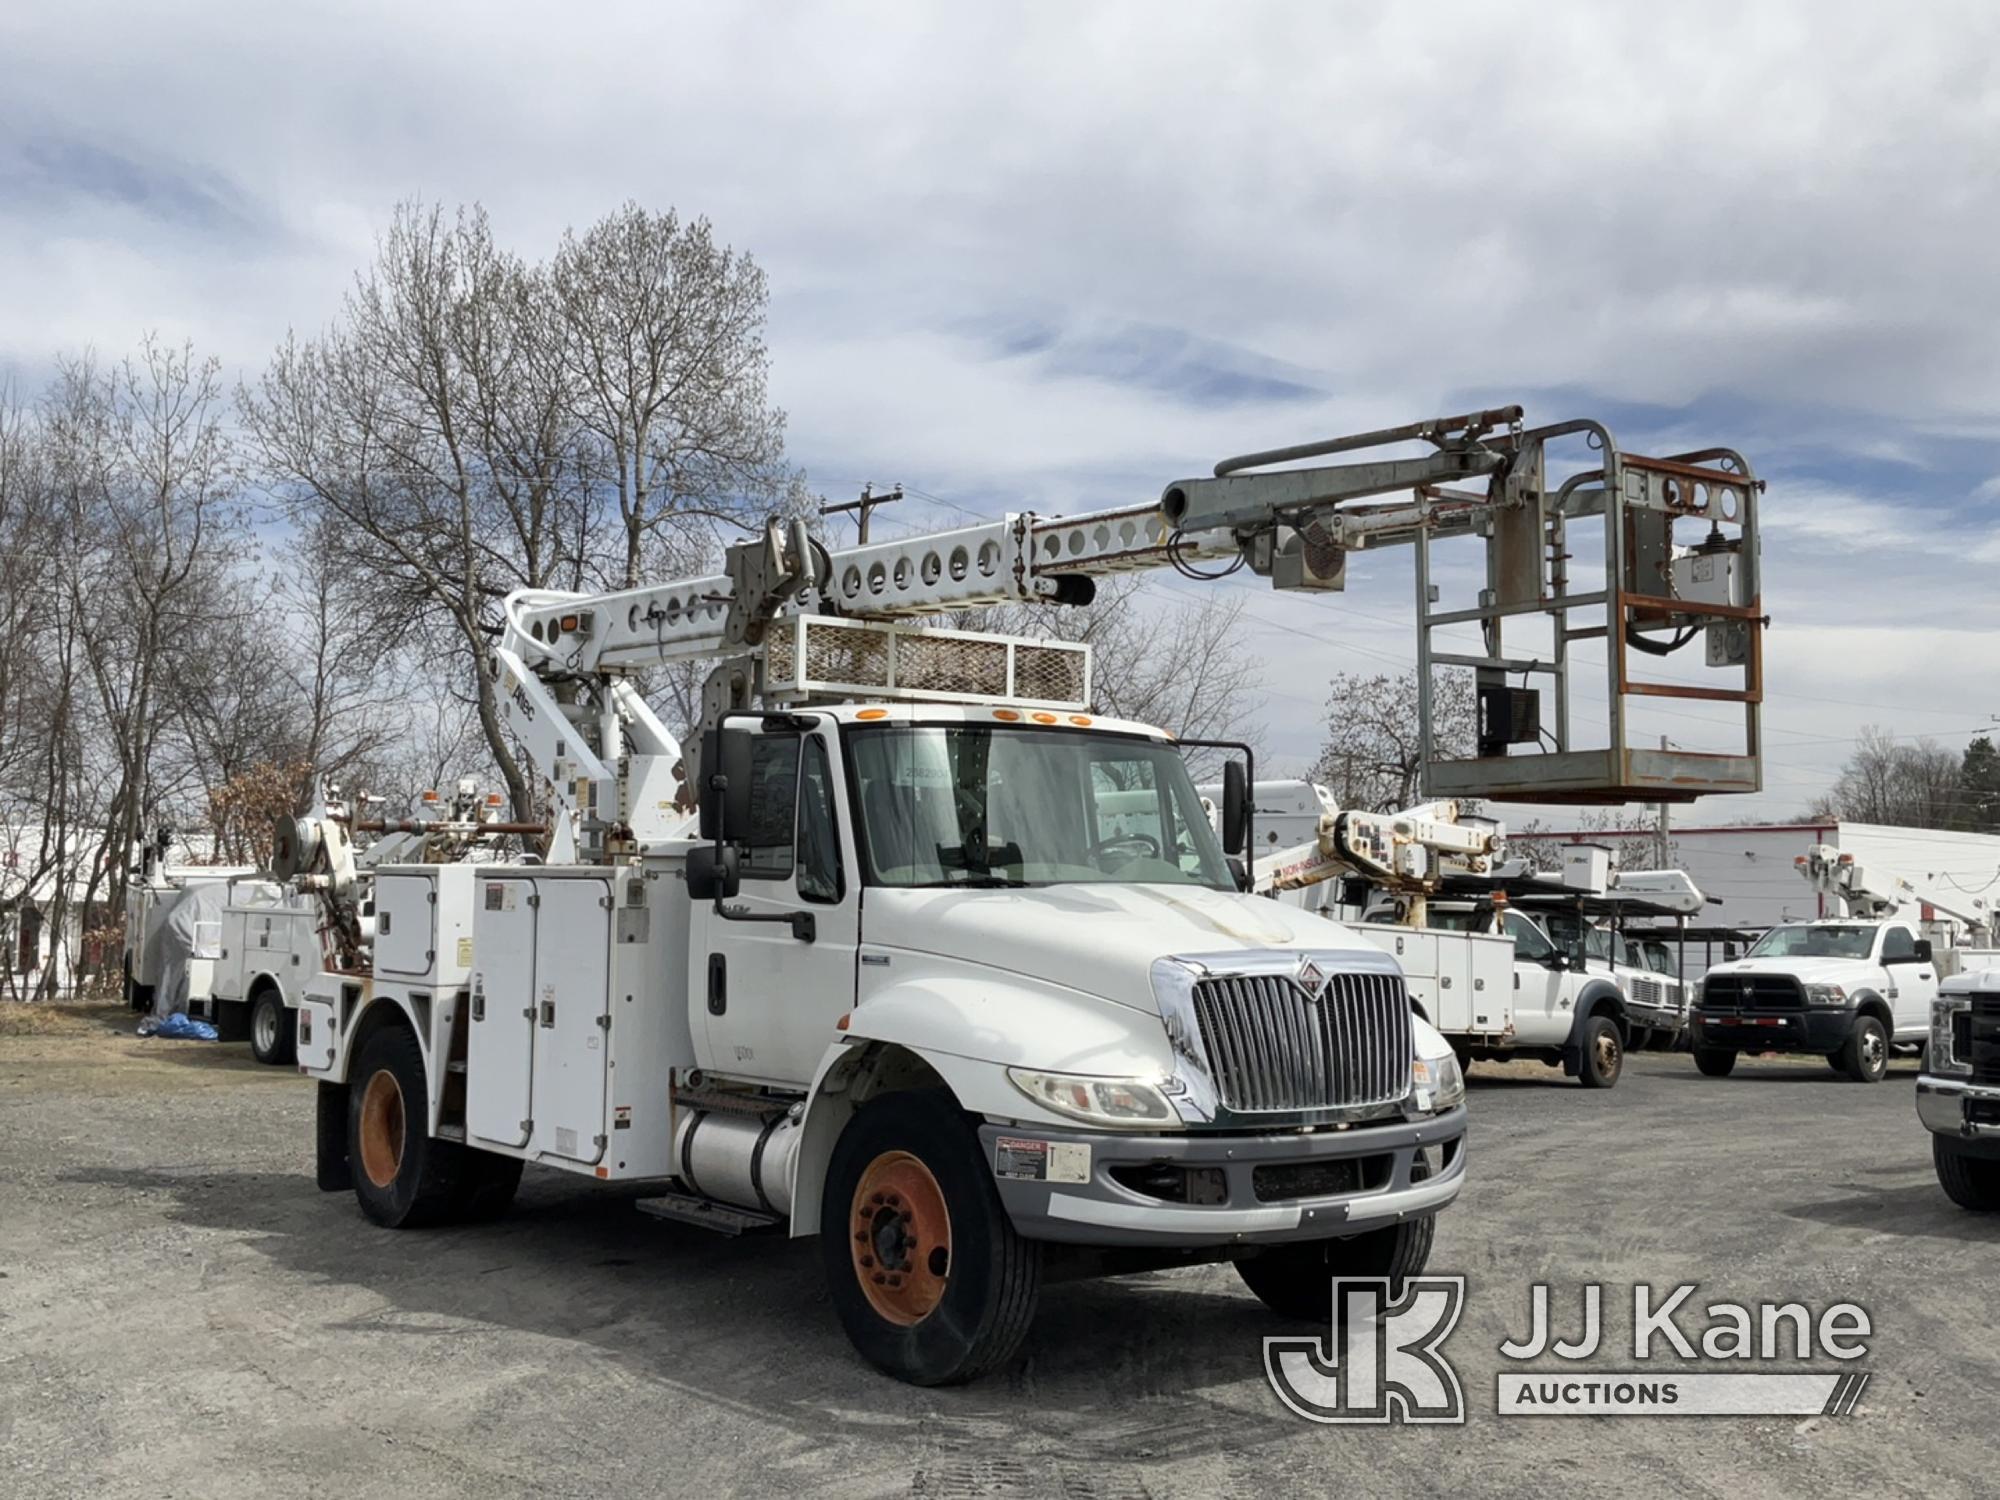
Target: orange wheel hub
x,y
382,1128
900,1238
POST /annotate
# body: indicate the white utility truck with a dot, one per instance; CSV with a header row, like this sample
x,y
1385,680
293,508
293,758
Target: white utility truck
x,y
235,946
1848,988
173,927
1562,985
920,978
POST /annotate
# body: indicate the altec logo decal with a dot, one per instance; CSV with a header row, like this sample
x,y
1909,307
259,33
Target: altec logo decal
x,y
1381,1363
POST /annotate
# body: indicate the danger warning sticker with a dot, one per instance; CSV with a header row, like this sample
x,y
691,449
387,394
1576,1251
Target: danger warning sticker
x,y
1041,1161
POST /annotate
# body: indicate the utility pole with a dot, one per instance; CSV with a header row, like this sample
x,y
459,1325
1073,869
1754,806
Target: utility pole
x,y
865,505
1661,828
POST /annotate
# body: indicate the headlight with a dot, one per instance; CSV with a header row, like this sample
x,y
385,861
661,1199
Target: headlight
x,y
1942,1054
1441,1078
1694,992
1097,1101
1825,994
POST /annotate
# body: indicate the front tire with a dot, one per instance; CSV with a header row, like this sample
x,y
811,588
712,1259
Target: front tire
x,y
1969,1181
272,1039
925,1270
1296,1280
1715,1062
1603,1054
404,1177
1865,1058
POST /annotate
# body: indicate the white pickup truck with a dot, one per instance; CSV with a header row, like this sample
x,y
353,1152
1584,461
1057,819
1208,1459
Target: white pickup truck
x,y
1846,990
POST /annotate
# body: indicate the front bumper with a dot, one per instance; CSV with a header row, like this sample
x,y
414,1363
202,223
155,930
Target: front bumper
x,y
1969,1113
1655,1017
1087,1196
1809,1030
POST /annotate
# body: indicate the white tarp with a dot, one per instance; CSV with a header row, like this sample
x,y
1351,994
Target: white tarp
x,y
184,941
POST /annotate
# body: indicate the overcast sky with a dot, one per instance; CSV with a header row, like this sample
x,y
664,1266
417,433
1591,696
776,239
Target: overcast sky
x,y
1051,257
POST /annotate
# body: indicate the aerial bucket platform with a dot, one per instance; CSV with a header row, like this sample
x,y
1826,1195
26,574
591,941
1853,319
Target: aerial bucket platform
x,y
1653,557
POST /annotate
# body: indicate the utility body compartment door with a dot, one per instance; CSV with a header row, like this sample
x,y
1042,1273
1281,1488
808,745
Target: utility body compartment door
x,y
572,1005
500,1037
405,919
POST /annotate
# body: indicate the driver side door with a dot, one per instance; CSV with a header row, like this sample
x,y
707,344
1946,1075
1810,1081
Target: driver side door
x,y
1913,982
765,999
1541,990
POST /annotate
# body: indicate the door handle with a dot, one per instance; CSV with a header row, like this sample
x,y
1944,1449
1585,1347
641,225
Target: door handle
x,y
718,984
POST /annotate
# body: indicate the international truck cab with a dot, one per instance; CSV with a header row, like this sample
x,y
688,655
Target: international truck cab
x,y
1847,990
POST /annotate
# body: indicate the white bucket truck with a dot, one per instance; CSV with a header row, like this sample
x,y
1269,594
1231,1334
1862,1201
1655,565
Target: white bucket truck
x,y
919,979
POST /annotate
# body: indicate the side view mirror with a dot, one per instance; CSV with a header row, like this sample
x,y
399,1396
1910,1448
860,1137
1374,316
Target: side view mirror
x,y
1235,808
713,874
1558,960
725,814
1923,950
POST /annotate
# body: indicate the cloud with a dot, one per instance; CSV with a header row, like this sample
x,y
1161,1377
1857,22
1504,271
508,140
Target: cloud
x,y
1055,257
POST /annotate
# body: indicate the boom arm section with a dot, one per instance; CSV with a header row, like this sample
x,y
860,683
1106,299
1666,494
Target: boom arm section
x,y
1409,853
1876,894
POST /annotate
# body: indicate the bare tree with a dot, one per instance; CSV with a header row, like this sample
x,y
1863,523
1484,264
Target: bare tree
x,y
1373,758
475,424
661,340
1914,785
150,494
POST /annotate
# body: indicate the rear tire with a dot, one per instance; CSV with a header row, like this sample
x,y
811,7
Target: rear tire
x,y
273,1040
1865,1058
1603,1054
1715,1062
923,1266
1971,1182
404,1177
1296,1280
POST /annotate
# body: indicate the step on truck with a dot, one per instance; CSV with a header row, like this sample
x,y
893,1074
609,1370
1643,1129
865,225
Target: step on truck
x,y
940,966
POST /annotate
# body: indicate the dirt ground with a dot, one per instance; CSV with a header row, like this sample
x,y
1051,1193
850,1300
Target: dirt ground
x,y
183,1314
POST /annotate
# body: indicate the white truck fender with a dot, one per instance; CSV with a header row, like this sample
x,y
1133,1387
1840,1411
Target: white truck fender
x,y
981,1088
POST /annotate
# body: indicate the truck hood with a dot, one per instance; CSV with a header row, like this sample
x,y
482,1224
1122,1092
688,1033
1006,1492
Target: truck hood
x,y
1805,970
1099,939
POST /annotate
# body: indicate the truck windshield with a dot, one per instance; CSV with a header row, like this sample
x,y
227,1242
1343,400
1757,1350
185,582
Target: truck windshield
x,y
1815,941
992,806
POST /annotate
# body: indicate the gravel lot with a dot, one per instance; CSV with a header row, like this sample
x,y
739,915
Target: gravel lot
x,y
181,1313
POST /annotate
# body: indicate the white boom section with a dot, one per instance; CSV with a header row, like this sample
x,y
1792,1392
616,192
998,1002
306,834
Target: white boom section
x,y
1016,559
1876,893
1407,852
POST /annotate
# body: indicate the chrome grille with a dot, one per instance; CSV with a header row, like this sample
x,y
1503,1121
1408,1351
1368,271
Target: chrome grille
x,y
1275,1046
1647,991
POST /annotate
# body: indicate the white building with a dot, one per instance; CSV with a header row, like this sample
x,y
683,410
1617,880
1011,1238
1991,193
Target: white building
x,y
1751,868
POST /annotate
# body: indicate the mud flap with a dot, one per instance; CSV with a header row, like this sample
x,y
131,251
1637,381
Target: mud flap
x,y
334,1173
